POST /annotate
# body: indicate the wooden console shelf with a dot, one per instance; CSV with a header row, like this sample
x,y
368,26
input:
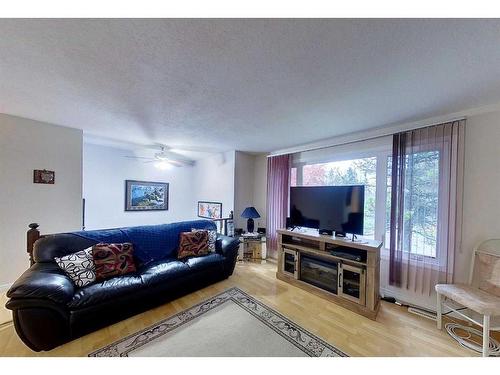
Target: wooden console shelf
x,y
341,270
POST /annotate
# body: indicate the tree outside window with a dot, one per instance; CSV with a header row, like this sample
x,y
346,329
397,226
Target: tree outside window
x,y
420,201
348,172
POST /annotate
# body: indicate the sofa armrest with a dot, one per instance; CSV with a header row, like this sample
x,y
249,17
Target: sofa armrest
x,y
43,281
227,246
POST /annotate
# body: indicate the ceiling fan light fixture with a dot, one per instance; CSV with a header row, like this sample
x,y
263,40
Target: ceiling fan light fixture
x,y
163,165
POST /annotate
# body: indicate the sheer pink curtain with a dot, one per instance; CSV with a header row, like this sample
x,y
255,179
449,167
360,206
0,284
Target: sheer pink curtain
x,y
278,186
426,205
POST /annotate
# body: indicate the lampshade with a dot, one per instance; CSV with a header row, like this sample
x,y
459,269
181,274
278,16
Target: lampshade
x,y
250,213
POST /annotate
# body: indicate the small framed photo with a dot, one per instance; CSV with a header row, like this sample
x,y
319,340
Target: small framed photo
x,y
43,176
146,196
210,210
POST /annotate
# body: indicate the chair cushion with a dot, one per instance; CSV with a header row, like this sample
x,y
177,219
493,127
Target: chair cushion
x,y
206,262
163,271
471,297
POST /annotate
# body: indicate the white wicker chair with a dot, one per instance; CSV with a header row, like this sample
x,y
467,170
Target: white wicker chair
x,y
481,295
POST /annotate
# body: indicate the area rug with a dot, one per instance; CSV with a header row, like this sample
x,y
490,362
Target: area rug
x,y
231,324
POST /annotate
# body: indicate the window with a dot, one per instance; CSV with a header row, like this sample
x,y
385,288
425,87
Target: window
x,y
362,171
293,177
373,169
421,195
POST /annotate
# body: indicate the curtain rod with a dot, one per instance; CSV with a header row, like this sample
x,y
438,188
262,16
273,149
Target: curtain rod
x,y
384,132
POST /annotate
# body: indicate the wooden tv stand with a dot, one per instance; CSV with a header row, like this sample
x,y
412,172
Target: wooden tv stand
x,y
349,277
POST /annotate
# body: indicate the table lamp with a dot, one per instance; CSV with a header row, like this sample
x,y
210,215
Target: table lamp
x,y
250,213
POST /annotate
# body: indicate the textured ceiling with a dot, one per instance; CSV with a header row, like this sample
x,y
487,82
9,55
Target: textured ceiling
x,y
252,85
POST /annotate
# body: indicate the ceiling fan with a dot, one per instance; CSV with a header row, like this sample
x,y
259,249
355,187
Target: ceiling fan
x,y
165,159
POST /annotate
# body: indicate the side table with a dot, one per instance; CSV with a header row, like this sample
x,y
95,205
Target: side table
x,y
252,248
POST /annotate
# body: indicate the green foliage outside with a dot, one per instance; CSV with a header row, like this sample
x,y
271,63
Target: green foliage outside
x,y
421,195
352,172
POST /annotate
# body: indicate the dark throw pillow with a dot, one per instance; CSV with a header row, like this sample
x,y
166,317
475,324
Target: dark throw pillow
x,y
193,244
212,238
79,267
113,260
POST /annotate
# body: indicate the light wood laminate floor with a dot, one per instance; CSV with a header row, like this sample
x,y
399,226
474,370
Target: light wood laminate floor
x,y
395,332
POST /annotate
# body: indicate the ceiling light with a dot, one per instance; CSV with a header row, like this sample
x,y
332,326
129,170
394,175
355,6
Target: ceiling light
x,y
163,165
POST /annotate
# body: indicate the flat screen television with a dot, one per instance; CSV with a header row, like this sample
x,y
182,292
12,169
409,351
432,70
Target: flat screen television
x,y
336,208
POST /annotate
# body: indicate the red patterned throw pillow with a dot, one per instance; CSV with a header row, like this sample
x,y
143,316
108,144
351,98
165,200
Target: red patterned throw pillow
x,y
193,244
113,259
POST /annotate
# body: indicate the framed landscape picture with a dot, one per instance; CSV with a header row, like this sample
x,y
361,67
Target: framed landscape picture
x,y
146,196
210,210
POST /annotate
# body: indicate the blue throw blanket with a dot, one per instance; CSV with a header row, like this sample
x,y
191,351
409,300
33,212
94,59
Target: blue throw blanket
x,y
151,242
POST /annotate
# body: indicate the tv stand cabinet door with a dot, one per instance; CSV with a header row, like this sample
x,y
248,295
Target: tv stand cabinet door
x,y
290,263
352,283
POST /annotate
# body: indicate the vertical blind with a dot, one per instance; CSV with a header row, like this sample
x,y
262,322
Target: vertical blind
x,y
444,143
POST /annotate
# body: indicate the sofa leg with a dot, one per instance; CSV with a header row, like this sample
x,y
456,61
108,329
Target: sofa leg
x,y
40,328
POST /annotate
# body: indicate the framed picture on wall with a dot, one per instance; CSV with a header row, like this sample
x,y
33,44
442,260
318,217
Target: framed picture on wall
x,y
146,196
210,210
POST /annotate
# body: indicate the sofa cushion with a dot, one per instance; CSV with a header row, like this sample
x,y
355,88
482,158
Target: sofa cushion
x,y
208,261
212,238
163,271
162,241
151,242
118,236
193,244
112,260
79,267
106,290
58,245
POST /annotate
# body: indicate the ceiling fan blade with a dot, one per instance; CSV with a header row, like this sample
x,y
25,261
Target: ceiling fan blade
x,y
172,156
177,163
138,157
169,148
209,150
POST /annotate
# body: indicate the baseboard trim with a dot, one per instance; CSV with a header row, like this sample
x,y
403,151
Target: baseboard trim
x,y
400,297
4,323
5,287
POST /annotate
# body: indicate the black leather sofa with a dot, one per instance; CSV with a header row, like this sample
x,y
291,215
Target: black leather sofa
x,y
49,310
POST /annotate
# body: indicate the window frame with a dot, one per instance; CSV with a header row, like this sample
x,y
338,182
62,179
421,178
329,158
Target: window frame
x,y
353,155
382,155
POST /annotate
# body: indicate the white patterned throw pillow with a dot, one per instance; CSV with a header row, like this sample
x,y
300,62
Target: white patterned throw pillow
x,y
79,267
212,238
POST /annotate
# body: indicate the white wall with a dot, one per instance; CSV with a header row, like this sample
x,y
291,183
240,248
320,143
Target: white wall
x,y
260,189
105,171
250,187
243,187
26,145
481,186
214,181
